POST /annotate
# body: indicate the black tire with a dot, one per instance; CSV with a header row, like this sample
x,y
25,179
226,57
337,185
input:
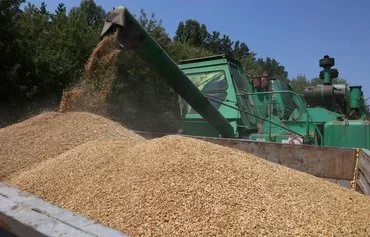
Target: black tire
x,y
327,61
333,73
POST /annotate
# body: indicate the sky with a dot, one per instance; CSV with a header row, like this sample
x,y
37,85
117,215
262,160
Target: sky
x,y
297,33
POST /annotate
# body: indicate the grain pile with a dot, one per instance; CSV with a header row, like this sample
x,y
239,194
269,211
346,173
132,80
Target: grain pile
x,y
176,186
50,134
91,93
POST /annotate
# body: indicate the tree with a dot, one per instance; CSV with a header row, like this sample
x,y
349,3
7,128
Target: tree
x,y
59,56
76,38
85,23
191,32
179,51
43,10
240,50
61,8
218,45
273,68
299,83
318,81
34,26
258,66
90,14
12,62
58,64
250,65
154,28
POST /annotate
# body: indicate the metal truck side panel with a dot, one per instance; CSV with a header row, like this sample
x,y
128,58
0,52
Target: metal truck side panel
x,y
324,162
363,176
24,214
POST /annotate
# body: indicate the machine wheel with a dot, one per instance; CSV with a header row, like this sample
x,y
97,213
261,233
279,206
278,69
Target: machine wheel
x,y
327,61
333,73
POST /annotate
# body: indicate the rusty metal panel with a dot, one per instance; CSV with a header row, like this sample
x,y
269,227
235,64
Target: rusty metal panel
x,y
324,162
341,182
363,177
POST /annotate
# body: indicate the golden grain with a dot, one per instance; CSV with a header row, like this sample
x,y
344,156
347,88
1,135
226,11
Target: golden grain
x,y
177,186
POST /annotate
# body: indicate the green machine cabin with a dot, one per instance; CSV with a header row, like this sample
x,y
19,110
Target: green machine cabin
x,y
218,100
220,79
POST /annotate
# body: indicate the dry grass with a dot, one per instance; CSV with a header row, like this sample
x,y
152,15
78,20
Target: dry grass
x,y
24,144
176,186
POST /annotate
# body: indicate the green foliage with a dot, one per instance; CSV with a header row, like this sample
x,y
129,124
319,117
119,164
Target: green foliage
x,y
273,68
47,50
34,26
299,83
250,65
56,46
179,51
240,50
13,66
192,33
219,45
317,81
83,31
154,28
258,66
41,53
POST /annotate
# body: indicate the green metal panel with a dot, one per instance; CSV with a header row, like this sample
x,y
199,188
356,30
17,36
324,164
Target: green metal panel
x,y
319,115
271,132
355,101
348,133
327,78
196,127
302,127
211,61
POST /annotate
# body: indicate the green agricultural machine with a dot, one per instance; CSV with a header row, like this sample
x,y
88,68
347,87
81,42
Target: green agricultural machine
x,y
218,100
323,132
219,104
